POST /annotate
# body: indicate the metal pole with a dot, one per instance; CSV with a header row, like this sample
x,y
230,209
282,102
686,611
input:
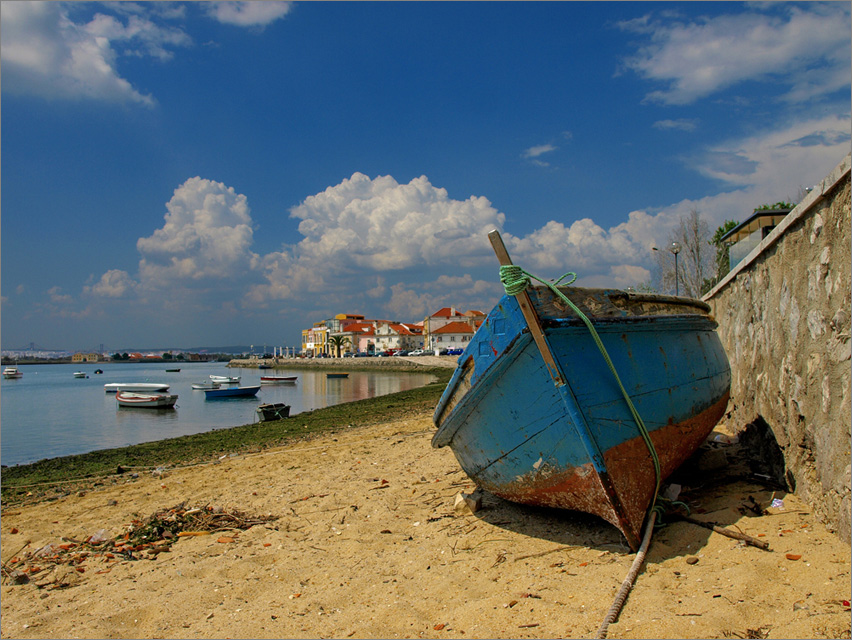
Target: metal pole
x,y
677,291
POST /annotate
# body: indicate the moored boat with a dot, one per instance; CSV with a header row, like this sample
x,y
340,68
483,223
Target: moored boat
x,y
80,374
144,387
203,386
225,379
145,400
535,414
12,372
278,379
273,411
232,392
337,375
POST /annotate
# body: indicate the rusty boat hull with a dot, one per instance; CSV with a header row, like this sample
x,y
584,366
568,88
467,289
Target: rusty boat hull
x,y
576,445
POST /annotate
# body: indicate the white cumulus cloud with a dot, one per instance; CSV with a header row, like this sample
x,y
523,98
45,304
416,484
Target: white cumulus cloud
x,y
115,283
207,234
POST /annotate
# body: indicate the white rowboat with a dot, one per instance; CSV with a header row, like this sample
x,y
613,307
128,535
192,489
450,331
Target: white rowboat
x,y
145,400
225,379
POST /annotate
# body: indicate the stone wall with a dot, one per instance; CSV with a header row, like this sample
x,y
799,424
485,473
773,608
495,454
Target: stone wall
x,y
784,318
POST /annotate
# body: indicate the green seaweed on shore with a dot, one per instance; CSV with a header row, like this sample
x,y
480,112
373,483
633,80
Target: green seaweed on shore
x,y
56,477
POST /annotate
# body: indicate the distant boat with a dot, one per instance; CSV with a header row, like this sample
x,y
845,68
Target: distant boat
x,y
232,392
278,379
534,413
337,375
144,387
225,379
276,411
204,386
172,370
80,374
12,372
145,400
264,366
99,370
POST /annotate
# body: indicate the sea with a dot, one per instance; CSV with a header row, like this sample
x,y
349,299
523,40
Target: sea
x,y
49,413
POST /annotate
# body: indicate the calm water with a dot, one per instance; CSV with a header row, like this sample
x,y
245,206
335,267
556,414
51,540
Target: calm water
x,y
50,413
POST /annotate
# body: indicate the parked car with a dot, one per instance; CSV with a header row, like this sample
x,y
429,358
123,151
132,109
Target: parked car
x,y
363,354
402,352
441,352
455,352
349,354
384,354
417,352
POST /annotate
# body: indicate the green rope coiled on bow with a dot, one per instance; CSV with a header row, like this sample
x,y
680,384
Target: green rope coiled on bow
x,y
515,280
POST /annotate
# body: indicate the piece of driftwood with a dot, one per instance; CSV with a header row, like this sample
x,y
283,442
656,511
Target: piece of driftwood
x,y
736,535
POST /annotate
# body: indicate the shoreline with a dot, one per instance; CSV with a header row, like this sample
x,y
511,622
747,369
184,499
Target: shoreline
x,y
54,477
365,542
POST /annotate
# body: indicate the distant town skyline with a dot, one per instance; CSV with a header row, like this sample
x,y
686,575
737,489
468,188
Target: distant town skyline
x,y
193,173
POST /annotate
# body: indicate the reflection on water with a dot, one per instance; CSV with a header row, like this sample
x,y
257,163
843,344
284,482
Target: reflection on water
x,y
50,413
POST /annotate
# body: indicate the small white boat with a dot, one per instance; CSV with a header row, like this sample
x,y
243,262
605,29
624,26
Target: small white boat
x,y
80,374
225,379
145,400
144,387
203,386
12,372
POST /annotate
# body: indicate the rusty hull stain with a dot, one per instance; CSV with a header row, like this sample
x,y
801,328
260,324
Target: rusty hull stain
x,y
630,471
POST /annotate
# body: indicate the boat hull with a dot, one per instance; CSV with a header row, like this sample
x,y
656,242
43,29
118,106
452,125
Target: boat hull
x,y
278,379
145,400
576,446
232,392
276,411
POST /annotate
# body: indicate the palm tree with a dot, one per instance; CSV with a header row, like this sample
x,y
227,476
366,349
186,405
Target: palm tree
x,y
337,342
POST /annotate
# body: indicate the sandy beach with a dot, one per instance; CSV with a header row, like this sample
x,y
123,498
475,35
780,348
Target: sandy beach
x,y
358,538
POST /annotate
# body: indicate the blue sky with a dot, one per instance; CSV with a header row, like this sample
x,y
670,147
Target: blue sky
x,y
190,174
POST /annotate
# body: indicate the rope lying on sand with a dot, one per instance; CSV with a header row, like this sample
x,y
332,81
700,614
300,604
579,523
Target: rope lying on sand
x,y
622,594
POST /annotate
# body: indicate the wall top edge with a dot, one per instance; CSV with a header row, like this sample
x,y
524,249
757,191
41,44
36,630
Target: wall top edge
x,y
808,202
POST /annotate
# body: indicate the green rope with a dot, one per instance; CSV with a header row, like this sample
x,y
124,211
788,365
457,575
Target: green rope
x,y
515,280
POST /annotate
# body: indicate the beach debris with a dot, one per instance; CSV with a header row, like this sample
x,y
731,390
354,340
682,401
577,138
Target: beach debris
x,y
736,535
468,502
60,565
751,505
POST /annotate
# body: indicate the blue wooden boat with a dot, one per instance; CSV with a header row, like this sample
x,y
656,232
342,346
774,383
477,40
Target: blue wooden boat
x,y
535,415
231,392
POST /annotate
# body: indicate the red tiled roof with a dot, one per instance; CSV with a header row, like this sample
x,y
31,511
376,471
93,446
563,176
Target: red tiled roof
x,y
446,312
455,327
407,329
